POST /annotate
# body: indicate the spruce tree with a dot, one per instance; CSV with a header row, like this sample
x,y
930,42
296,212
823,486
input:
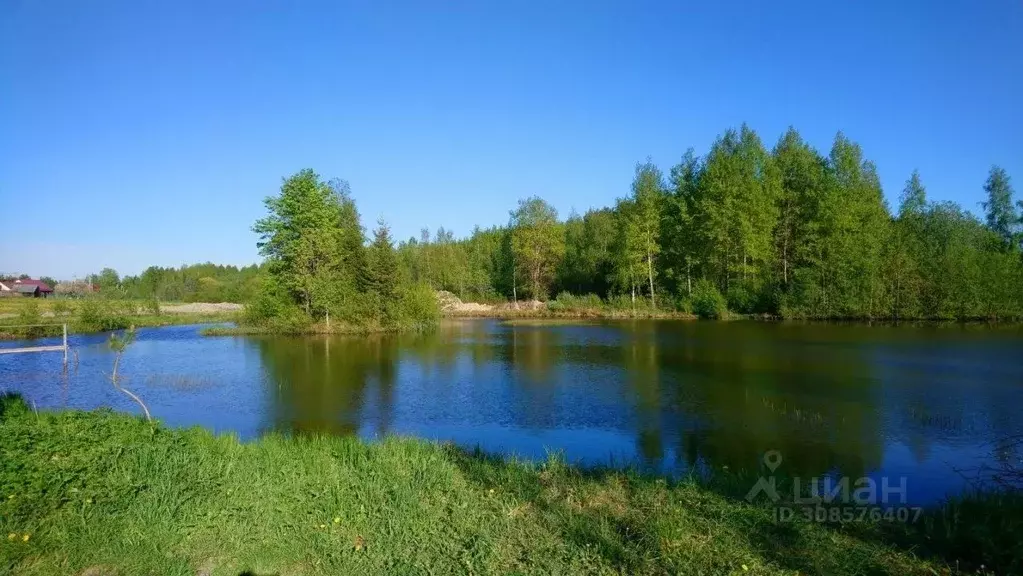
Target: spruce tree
x,y
382,275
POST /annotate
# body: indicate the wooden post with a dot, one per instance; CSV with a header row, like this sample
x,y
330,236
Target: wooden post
x,y
65,346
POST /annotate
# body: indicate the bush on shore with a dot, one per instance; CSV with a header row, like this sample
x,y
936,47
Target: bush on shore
x,y
707,301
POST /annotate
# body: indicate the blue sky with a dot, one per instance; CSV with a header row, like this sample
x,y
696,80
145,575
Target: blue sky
x,y
148,132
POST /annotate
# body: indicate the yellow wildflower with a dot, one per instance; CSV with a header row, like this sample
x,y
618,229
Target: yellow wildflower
x,y
12,536
745,568
337,519
25,538
323,525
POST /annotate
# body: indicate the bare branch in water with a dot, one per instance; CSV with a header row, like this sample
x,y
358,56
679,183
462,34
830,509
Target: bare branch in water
x,y
119,344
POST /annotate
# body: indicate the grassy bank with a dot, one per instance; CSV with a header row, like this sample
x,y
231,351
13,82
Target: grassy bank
x,y
566,306
544,312
102,493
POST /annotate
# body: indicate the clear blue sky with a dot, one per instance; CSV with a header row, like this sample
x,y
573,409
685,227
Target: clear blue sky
x,y
148,132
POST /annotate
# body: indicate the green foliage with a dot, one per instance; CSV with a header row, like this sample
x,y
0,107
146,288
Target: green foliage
x,y
678,230
195,283
783,232
60,308
30,318
1001,216
99,315
120,342
538,244
382,269
707,301
273,309
736,208
416,306
152,306
787,232
107,280
568,302
590,253
643,223
798,239
312,240
183,501
319,276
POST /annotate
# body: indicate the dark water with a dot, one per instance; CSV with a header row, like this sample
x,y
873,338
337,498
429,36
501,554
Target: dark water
x,y
914,402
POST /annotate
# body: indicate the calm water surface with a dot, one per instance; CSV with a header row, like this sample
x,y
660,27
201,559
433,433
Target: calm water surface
x,y
667,396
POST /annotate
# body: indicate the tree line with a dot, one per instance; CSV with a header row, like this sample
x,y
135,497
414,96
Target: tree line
x,y
206,282
318,265
786,231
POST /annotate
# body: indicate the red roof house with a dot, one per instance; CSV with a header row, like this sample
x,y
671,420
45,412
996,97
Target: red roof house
x,y
25,287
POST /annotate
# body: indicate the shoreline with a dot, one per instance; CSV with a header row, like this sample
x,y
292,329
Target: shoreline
x,y
187,500
52,326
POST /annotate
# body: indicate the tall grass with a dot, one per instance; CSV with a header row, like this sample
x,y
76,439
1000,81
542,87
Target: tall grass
x,y
102,493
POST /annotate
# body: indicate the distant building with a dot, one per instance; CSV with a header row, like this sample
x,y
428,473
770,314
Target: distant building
x,y
25,287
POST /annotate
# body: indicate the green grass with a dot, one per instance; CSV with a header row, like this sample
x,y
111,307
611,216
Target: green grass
x,y
14,305
104,493
85,316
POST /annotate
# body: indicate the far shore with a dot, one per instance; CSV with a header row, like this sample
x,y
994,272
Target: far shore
x,y
47,317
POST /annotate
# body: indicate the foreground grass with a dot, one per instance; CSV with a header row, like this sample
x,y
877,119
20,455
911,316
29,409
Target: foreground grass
x,y
102,493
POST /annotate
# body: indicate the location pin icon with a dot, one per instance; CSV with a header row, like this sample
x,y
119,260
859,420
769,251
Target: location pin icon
x,y
772,459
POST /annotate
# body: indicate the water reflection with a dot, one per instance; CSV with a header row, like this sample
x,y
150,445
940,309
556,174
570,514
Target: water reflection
x,y
668,396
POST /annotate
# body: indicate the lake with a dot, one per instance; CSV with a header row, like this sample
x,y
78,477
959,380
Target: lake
x,y
670,397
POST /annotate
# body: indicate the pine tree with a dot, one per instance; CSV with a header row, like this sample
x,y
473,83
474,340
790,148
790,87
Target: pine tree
x,y
382,276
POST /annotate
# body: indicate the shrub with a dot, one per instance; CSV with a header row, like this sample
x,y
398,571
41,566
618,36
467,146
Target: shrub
x,y
741,298
96,315
416,304
707,301
625,302
570,302
29,314
61,308
273,310
152,306
683,304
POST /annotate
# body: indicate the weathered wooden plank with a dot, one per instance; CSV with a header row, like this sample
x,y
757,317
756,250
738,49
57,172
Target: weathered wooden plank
x,y
32,349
